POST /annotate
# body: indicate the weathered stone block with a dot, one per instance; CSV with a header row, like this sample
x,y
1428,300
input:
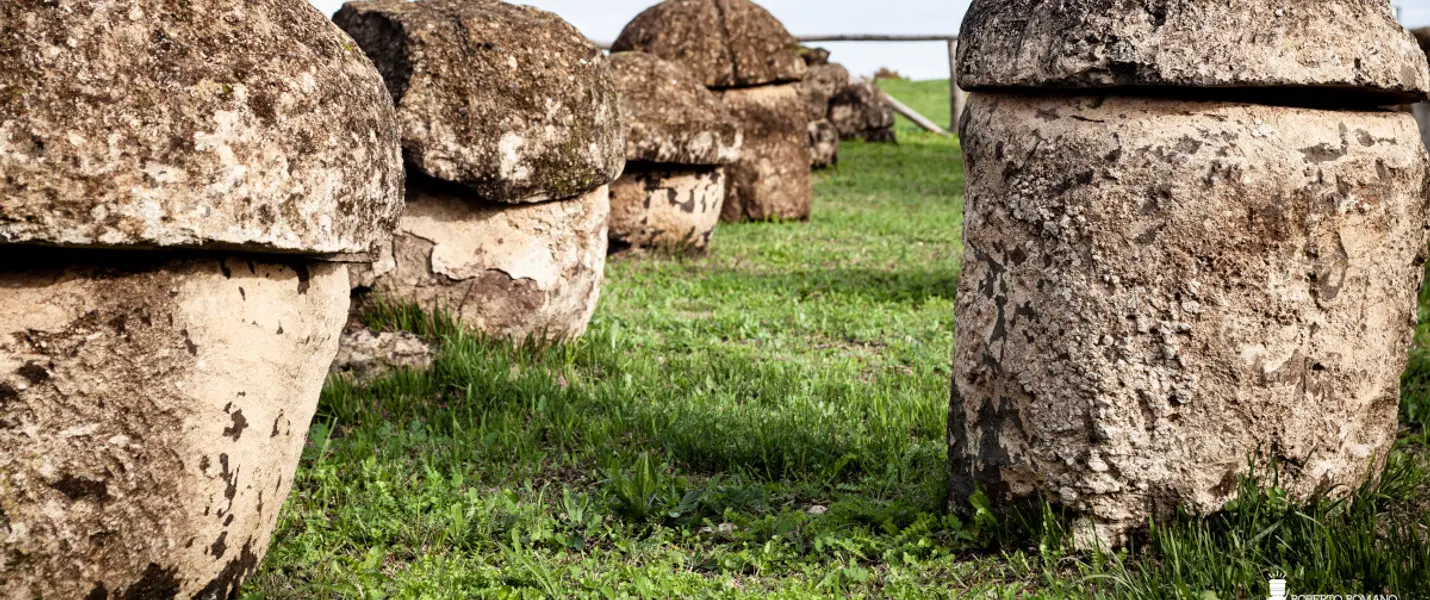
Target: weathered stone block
x,y
512,272
772,179
724,43
861,112
156,124
1156,292
670,118
678,134
823,144
1341,47
153,409
365,355
820,86
668,207
510,101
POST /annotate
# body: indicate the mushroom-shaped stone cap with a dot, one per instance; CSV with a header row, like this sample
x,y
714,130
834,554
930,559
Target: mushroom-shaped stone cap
x,y
510,101
1346,47
724,43
671,118
250,125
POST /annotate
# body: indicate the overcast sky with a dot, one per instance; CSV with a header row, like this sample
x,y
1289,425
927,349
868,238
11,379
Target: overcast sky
x,y
602,20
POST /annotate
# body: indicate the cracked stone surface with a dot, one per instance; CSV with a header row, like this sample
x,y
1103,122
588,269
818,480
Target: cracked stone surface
x,y
670,117
860,112
513,272
365,355
160,124
153,409
772,180
669,207
510,101
1343,47
823,144
1155,290
820,85
723,43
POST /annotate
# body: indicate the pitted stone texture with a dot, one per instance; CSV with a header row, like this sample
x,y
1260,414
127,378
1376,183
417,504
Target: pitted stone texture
x,y
1156,290
1340,45
813,56
772,179
509,271
823,144
508,100
723,43
861,112
820,85
674,209
365,355
670,117
152,123
152,413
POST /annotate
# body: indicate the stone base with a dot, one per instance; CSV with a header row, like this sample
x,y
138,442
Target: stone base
x,y
860,112
509,271
666,207
365,355
823,144
772,179
152,413
1156,293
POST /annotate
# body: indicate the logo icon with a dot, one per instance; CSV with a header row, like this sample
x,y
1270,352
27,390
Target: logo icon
x,y
1278,586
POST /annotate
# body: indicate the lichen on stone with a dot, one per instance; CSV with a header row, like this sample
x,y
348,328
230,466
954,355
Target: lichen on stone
x,y
509,101
155,124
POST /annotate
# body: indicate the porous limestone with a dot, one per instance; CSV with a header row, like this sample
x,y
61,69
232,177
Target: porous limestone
x,y
772,180
723,43
510,271
679,135
365,355
508,100
861,112
820,85
1341,48
669,117
673,208
155,124
823,144
1157,293
741,51
153,408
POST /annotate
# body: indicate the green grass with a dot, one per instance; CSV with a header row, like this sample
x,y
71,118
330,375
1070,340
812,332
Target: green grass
x,y
928,98
684,447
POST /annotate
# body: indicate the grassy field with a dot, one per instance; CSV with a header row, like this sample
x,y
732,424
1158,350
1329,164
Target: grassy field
x,y
765,421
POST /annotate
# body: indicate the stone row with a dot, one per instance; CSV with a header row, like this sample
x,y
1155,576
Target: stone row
x,y
743,54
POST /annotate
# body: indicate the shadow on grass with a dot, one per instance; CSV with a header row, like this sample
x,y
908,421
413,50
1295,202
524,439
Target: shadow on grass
x,y
713,413
901,286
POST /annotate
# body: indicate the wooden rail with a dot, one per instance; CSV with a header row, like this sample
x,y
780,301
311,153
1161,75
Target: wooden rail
x,y
913,115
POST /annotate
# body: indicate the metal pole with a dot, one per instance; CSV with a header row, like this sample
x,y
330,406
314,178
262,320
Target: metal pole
x,y
957,98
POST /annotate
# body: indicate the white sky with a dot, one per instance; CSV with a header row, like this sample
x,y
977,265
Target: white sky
x,y
602,20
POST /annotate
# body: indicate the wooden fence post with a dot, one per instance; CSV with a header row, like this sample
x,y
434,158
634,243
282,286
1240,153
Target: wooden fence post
x,y
957,97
